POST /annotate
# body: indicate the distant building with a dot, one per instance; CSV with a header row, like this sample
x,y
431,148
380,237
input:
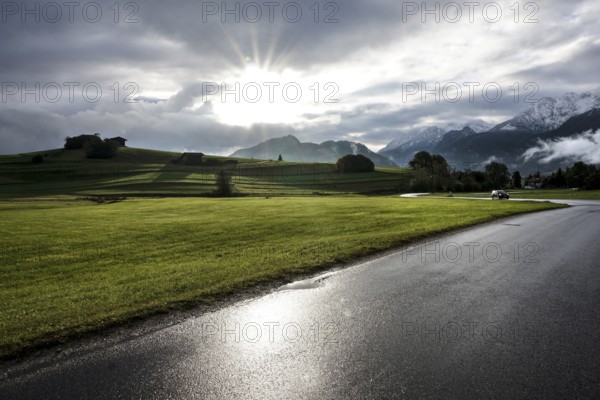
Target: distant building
x,y
119,140
191,159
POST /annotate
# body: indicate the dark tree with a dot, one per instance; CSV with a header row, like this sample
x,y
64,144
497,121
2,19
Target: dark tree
x,y
81,141
439,165
497,174
593,181
561,181
101,149
555,179
280,158
224,187
577,174
431,172
517,180
422,160
355,163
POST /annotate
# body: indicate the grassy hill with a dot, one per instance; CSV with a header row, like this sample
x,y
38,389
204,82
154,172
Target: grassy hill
x,y
144,173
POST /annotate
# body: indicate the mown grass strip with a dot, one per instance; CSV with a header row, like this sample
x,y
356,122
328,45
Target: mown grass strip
x,y
69,268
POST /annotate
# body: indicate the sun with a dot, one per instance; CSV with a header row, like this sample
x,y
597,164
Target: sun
x,y
256,95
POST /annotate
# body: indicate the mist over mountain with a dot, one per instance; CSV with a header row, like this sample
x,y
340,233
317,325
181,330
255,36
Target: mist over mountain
x,y
511,146
477,142
291,149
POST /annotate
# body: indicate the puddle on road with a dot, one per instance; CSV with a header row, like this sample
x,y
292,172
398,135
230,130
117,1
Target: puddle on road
x,y
306,284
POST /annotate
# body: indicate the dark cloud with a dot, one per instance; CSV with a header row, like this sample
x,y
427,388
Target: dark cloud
x,y
170,51
22,131
168,131
577,73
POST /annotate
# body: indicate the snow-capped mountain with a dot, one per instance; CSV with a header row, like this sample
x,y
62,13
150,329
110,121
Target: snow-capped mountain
x,y
432,135
403,149
477,125
509,146
551,112
455,136
424,135
415,134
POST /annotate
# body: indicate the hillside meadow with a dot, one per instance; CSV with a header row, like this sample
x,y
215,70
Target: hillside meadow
x,y
149,173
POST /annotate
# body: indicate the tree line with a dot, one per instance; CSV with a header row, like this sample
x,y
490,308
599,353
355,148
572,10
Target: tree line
x,y
579,175
432,173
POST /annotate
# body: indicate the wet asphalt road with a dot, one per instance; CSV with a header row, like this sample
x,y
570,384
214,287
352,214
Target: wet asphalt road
x,y
510,310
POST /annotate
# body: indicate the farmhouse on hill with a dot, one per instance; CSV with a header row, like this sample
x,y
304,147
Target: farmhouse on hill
x,y
119,140
190,159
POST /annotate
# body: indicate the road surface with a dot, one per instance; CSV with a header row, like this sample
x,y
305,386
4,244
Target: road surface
x,y
509,310
570,202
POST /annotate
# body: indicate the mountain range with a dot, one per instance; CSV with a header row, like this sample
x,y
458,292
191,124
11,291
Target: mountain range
x,y
474,142
551,112
510,146
291,149
548,120
477,142
402,149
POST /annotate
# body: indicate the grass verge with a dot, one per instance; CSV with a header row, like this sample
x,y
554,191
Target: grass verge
x,y
73,267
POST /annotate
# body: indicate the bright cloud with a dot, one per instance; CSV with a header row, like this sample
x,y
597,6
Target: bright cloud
x,y
584,147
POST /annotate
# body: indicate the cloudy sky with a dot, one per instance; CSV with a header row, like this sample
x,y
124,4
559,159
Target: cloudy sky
x,y
214,77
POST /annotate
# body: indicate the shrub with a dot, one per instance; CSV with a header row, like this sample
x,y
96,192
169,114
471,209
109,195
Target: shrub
x,y
355,163
104,199
101,150
224,187
81,141
38,158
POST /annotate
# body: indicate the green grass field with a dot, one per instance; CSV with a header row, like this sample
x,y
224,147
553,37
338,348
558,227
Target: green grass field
x,y
70,266
559,194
